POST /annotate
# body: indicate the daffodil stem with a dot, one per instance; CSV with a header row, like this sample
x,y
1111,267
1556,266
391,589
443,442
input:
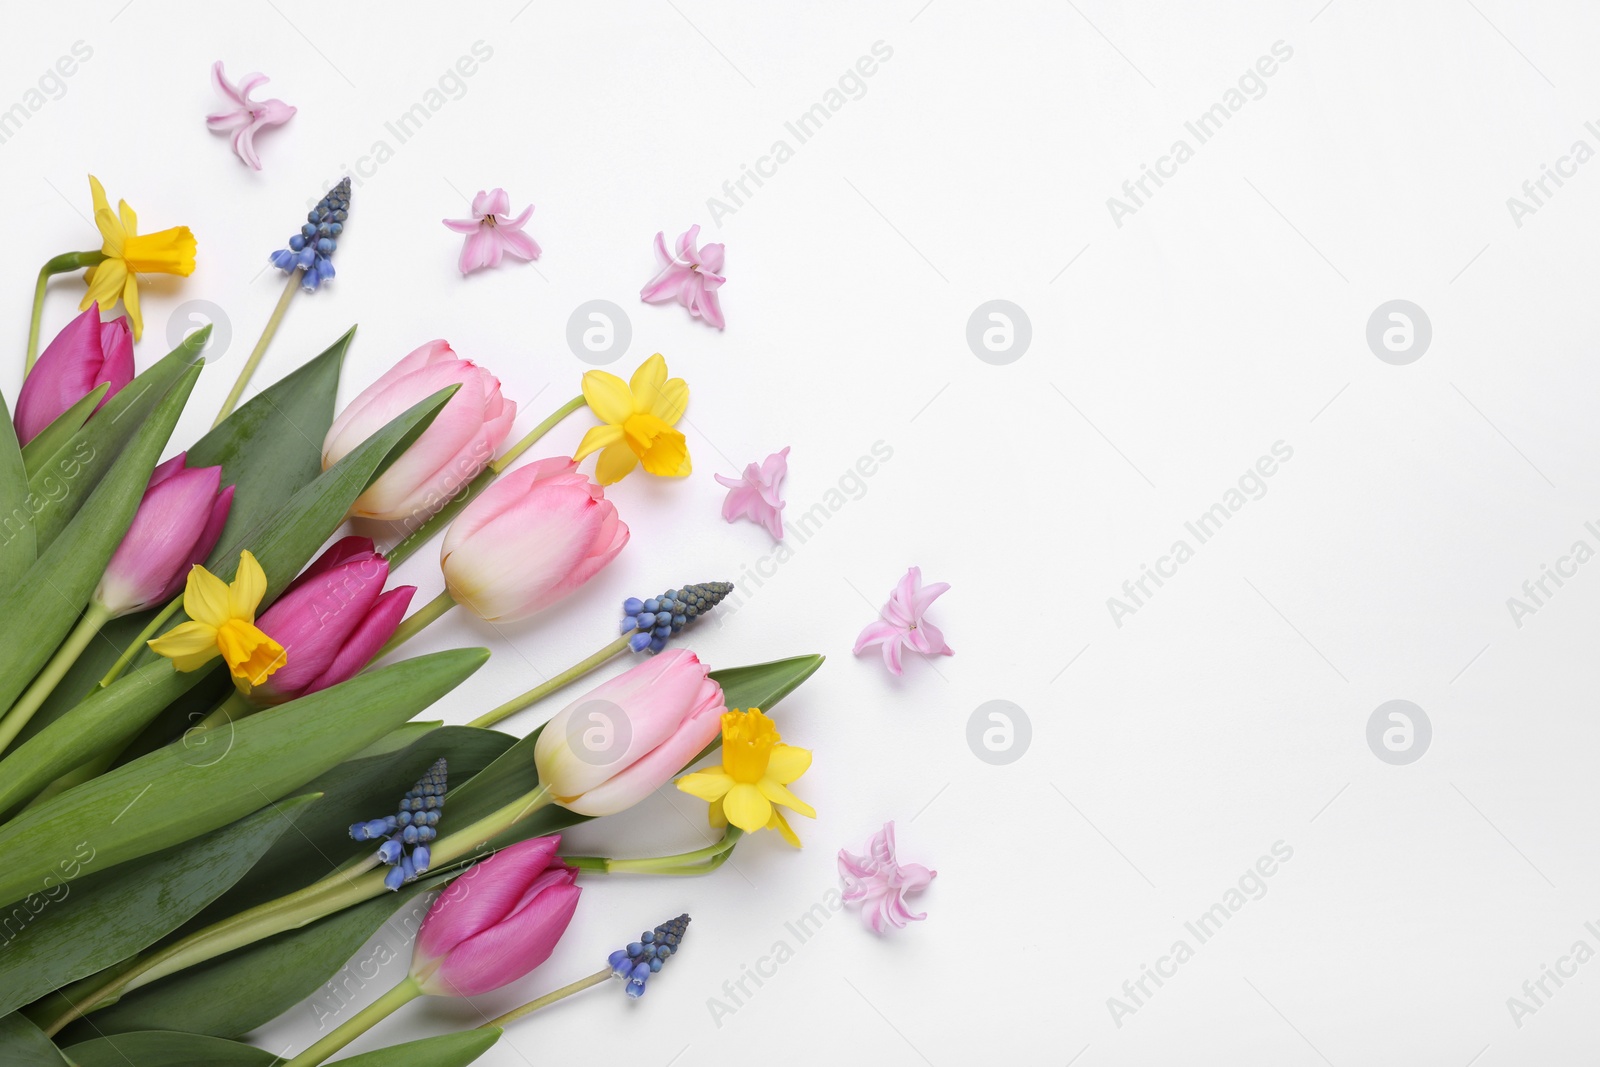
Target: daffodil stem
x,y
250,365
359,1023
230,710
62,264
544,689
416,622
137,645
548,999
339,890
442,518
94,617
700,861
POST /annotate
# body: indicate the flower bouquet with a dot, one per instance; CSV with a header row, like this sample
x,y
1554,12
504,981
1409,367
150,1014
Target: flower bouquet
x,y
217,777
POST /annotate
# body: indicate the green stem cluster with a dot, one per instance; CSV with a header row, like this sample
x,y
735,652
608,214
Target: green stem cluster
x,y
62,264
545,688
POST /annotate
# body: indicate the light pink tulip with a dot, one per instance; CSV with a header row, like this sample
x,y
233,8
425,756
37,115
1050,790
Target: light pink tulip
x,y
331,620
879,882
692,277
83,355
177,524
630,735
903,623
492,232
533,537
458,444
758,494
497,922
244,117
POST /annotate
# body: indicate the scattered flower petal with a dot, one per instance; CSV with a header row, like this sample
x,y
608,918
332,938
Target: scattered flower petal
x,y
879,882
757,494
902,624
692,277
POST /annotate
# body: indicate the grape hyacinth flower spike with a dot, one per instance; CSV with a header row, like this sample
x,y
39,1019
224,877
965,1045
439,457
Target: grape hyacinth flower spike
x,y
311,250
414,825
653,622
644,957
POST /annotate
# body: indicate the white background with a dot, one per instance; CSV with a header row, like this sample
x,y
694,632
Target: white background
x,y
1167,355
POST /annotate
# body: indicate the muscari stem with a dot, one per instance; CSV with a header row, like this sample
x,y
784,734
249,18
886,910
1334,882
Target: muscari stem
x,y
359,1023
424,532
334,893
137,645
549,998
94,617
545,688
250,365
416,622
67,261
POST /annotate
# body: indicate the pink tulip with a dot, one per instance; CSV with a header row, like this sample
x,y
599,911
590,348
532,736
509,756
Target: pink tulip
x,y
534,536
458,444
497,922
630,735
176,526
82,356
331,620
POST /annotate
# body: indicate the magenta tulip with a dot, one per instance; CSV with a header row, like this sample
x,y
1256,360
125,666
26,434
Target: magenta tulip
x,y
331,620
82,356
176,527
630,735
459,443
534,536
497,922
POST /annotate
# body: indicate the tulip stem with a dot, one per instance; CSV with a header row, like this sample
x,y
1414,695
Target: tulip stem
x,y
700,861
250,365
416,622
94,617
138,643
549,998
545,688
62,264
359,1023
442,518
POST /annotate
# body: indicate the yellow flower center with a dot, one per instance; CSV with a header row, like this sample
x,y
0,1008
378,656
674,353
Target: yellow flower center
x,y
251,655
748,739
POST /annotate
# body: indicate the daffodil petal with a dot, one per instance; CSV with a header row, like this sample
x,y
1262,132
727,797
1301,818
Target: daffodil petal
x,y
111,232
780,824
707,785
189,645
607,396
787,763
249,586
106,286
130,221
130,301
616,462
716,816
98,193
779,794
596,438
746,808
647,381
670,401
205,597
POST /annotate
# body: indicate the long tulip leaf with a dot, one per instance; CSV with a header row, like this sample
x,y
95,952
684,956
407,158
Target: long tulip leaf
x,y
17,549
445,1050
165,1048
23,1044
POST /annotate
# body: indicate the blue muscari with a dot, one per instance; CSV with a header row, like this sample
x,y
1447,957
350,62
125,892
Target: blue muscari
x,y
311,250
414,825
644,957
652,622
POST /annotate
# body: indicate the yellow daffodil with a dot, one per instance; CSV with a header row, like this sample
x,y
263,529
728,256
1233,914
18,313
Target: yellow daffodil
x,y
223,623
639,417
754,777
129,254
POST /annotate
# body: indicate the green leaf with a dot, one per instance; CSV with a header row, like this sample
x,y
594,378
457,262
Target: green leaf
x,y
23,1044
179,792
234,994
160,1048
64,483
446,1050
61,933
42,608
16,525
268,449
50,439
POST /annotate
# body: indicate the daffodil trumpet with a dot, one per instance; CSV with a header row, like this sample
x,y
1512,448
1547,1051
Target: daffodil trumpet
x,y
65,263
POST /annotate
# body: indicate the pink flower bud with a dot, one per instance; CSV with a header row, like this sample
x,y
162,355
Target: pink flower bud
x,y
459,443
630,735
176,527
497,922
534,536
82,356
331,620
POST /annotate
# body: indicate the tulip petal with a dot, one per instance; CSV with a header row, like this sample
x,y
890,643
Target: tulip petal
x,y
510,949
364,642
483,896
